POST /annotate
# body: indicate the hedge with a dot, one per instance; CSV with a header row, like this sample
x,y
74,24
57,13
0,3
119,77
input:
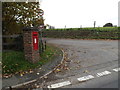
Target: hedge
x,y
82,33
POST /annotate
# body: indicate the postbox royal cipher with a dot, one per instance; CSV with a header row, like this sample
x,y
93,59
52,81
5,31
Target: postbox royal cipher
x,y
35,40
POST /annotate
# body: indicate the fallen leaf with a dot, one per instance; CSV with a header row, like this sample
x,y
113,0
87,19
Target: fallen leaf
x,y
4,66
21,74
10,75
58,70
38,73
16,72
86,71
67,68
31,71
26,72
37,86
65,65
45,77
6,76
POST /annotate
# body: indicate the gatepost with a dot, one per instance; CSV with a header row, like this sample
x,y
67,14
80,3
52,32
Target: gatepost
x,y
31,44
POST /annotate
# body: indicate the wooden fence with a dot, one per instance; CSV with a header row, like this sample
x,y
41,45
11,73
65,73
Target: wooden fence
x,y
12,42
15,42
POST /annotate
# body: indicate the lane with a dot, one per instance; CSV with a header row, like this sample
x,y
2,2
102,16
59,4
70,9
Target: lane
x,y
84,61
87,53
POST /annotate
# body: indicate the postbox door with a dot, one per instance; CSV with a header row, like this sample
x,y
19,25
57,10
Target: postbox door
x,y
35,40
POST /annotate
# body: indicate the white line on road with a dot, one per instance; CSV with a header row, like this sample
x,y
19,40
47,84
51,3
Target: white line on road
x,y
57,85
85,78
103,73
116,69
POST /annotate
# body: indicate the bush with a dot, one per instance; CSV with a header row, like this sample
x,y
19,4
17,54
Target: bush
x,y
108,25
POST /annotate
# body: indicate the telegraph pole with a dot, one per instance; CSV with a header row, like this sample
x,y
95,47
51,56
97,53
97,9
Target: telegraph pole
x,y
94,23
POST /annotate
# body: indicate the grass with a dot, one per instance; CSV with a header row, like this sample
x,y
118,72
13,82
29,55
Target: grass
x,y
14,61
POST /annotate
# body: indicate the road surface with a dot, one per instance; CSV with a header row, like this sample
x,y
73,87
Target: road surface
x,y
87,64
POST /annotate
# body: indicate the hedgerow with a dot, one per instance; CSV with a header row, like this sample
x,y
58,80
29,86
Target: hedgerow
x,y
84,33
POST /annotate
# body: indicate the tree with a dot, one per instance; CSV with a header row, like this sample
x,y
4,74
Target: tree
x,y
16,15
108,25
47,26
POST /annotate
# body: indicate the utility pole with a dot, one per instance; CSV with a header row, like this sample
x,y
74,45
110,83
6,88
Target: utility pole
x,y
65,26
80,26
94,23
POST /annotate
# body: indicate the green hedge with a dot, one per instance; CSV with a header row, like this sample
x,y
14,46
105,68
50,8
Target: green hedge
x,y
83,33
97,28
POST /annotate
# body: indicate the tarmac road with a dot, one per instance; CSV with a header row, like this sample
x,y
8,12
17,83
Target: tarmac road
x,y
88,64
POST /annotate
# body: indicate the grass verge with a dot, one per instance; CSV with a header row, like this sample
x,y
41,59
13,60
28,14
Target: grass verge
x,y
13,62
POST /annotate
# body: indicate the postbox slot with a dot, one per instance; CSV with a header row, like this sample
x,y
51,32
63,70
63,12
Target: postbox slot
x,y
34,34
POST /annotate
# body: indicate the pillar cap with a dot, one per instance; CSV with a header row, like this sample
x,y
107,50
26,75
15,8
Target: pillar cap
x,y
30,29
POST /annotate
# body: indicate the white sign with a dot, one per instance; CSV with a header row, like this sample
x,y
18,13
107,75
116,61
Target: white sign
x,y
35,40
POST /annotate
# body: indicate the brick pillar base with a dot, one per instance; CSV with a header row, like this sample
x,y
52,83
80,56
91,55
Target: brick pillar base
x,y
31,55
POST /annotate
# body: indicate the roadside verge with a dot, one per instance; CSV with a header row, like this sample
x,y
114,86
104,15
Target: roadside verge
x,y
17,81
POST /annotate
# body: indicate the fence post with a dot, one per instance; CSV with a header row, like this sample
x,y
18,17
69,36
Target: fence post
x,y
31,44
45,44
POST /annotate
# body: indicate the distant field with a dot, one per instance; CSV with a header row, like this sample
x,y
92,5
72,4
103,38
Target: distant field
x,y
84,33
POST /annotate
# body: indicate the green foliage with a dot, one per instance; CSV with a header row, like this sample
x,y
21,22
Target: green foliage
x,y
108,25
16,15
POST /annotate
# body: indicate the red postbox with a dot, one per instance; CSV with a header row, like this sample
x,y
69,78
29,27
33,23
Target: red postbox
x,y
35,40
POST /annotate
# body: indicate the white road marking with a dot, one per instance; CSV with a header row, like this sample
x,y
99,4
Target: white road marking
x,y
116,69
85,78
103,73
57,85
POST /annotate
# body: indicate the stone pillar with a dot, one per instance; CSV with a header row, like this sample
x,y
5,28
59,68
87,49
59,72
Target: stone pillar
x,y
31,54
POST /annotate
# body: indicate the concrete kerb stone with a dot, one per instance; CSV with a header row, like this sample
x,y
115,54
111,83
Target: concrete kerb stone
x,y
15,86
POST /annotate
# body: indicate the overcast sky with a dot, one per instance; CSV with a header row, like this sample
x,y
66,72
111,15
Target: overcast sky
x,y
74,13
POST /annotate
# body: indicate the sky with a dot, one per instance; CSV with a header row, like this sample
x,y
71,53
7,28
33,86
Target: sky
x,y
79,13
